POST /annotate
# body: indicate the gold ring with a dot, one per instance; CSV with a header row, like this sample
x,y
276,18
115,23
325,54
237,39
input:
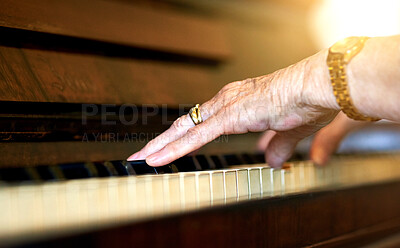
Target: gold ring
x,y
195,115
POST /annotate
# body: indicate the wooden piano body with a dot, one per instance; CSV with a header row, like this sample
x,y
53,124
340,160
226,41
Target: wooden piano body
x,y
93,80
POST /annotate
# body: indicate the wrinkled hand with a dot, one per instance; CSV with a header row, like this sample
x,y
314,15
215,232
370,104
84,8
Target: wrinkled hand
x,y
294,102
327,140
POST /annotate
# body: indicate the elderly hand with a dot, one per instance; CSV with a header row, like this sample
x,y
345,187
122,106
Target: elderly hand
x,y
294,102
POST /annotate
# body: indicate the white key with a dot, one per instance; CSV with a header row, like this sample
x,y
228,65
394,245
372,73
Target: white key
x,y
217,182
204,189
230,186
242,182
254,182
267,181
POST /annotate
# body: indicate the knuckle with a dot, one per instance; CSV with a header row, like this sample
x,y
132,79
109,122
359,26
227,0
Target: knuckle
x,y
194,134
178,123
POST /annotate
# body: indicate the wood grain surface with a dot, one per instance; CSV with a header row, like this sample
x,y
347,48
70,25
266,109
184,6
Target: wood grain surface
x,y
48,76
120,23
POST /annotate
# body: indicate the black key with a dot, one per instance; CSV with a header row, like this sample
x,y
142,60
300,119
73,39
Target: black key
x,y
217,162
45,173
297,157
102,170
75,171
129,168
14,174
185,164
120,168
232,159
258,158
247,159
141,167
111,168
203,162
164,169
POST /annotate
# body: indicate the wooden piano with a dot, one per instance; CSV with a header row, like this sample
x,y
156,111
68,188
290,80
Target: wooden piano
x,y
83,84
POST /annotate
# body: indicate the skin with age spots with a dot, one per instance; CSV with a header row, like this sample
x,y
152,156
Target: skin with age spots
x,y
290,104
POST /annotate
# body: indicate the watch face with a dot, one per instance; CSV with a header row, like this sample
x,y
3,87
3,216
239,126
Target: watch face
x,y
344,45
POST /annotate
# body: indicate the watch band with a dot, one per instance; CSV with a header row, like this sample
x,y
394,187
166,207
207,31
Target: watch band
x,y
339,56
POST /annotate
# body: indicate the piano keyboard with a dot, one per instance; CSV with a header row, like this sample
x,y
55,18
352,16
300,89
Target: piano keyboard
x,y
34,211
125,168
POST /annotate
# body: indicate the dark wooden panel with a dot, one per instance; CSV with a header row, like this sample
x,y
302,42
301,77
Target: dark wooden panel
x,y
120,23
290,221
25,154
48,76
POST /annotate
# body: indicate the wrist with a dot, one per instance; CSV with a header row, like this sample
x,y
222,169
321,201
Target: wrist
x,y
362,89
317,87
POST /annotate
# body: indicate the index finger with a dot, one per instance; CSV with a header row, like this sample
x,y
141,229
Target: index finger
x,y
178,129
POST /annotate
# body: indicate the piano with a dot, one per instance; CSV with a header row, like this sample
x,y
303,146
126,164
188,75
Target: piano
x,y
83,84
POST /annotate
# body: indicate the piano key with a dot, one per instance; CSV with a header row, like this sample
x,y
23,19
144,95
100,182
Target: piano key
x,y
298,171
189,188
111,168
232,159
242,182
218,164
309,175
203,189
203,162
74,171
57,172
278,182
247,159
288,180
45,173
158,194
185,164
217,188
27,196
33,174
255,188
102,170
14,174
91,169
92,197
173,192
165,169
267,181
258,158
230,186
121,168
140,167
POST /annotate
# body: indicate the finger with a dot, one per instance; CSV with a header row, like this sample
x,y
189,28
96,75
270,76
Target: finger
x,y
195,138
282,145
263,142
328,139
325,143
176,131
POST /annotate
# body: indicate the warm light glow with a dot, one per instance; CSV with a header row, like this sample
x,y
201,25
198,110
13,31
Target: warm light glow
x,y
332,20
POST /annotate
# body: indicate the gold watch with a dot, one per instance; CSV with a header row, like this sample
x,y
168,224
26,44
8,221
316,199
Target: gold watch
x,y
339,56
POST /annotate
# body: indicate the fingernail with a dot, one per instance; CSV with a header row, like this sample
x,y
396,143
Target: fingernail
x,y
319,157
134,156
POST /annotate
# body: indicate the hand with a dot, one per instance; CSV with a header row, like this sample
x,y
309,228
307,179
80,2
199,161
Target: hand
x,y
294,102
328,139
